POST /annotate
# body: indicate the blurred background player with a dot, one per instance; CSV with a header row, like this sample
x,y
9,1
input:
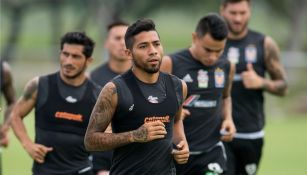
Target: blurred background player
x,y
254,54
118,62
63,102
207,109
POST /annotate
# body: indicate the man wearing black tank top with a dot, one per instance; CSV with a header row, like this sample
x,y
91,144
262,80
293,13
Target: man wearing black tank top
x,y
254,54
63,102
144,107
207,110
117,63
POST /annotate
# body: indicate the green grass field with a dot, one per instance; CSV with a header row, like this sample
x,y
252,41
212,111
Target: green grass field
x,y
286,139
284,152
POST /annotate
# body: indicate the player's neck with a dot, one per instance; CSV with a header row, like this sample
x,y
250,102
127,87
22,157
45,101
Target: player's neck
x,y
237,36
77,81
119,66
145,77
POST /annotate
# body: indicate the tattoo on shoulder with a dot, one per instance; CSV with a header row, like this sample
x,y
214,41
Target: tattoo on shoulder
x,y
104,107
272,60
30,89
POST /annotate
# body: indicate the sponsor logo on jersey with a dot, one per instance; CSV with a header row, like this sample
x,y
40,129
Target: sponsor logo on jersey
x,y
219,77
251,53
187,78
193,101
164,119
152,99
71,99
69,116
190,100
233,55
202,79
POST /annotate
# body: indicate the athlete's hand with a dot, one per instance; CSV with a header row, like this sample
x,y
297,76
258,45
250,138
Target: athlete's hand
x,y
228,130
149,131
37,151
181,153
251,79
184,113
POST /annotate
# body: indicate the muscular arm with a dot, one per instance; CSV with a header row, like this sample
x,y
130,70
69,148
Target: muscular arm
x,y
277,84
166,65
96,139
23,106
9,92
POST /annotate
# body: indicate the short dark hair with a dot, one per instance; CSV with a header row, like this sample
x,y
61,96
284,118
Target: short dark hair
x,y
79,38
116,23
214,25
139,26
225,2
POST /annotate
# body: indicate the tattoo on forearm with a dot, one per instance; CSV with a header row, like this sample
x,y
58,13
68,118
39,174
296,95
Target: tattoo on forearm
x,y
275,68
29,90
140,135
101,117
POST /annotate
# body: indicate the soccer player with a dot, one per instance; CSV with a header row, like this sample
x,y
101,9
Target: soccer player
x,y
143,105
254,54
63,102
207,109
117,63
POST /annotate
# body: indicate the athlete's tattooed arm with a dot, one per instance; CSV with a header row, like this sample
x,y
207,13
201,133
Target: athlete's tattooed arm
x,y
228,128
9,94
24,106
181,152
96,139
8,91
277,85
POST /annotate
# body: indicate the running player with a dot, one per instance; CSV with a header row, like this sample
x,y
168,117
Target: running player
x,y
117,63
144,106
254,54
63,102
208,105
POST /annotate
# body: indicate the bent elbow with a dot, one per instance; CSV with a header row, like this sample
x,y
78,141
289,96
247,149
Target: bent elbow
x,y
87,143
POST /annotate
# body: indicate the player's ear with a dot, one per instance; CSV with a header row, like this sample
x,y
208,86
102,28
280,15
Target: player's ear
x,y
128,52
194,37
89,60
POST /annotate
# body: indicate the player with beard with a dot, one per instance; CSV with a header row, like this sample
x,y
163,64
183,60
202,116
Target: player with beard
x,y
144,106
254,55
63,102
117,63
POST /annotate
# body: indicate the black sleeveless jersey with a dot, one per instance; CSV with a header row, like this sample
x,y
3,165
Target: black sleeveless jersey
x,y
102,74
62,125
248,110
133,110
205,98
